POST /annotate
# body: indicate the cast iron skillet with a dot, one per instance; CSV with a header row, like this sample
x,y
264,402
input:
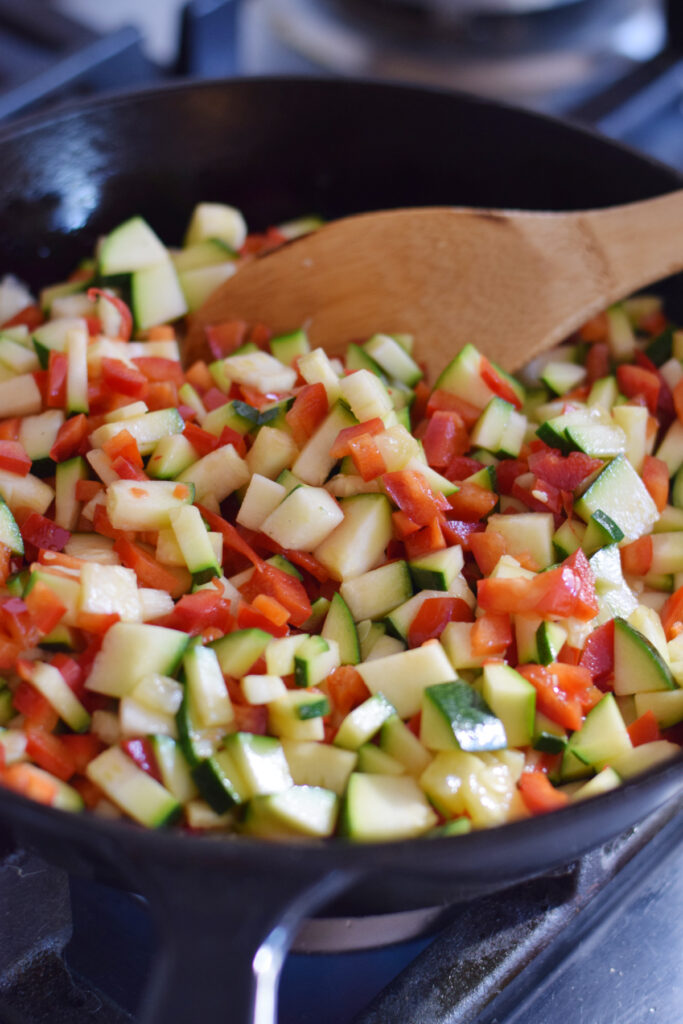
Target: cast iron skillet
x,y
226,908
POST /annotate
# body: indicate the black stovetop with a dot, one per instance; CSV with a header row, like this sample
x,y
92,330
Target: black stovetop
x,y
601,943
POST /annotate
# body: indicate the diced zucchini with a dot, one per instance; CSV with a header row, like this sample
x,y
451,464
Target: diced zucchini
x,y
363,722
359,542
376,592
455,716
436,570
340,627
512,700
403,677
132,789
131,651
619,492
306,518
319,764
129,247
298,811
638,665
603,737
378,808
238,651
145,504
50,682
297,715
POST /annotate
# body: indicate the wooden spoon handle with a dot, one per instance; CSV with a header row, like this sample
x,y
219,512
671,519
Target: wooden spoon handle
x,y
513,283
638,243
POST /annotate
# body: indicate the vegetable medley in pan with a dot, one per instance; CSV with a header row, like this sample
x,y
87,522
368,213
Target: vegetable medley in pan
x,y
298,596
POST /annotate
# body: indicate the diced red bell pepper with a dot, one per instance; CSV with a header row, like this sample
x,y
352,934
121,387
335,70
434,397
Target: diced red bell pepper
x,y
597,362
367,458
403,525
35,708
346,689
158,370
644,730
231,537
126,324
26,779
445,438
455,531
123,379
460,467
433,616
201,440
636,382
57,368
429,538
507,472
83,748
340,445
71,670
43,533
29,316
472,502
308,411
595,329
272,609
126,470
213,399
636,557
13,458
488,548
560,707
539,794
261,242
71,436
440,399
205,608
537,495
139,749
45,607
225,337
411,493
283,587
598,654
48,752
17,621
250,618
162,394
9,429
565,472
251,718
497,383
566,592
672,614
491,635
655,475
150,572
123,444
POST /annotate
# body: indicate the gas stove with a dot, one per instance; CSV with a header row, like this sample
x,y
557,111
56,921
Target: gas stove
x,y
599,941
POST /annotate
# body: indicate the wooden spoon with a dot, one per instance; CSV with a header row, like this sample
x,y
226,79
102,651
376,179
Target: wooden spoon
x,y
513,283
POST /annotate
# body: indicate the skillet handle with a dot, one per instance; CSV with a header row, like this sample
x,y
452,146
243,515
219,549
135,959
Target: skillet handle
x,y
223,941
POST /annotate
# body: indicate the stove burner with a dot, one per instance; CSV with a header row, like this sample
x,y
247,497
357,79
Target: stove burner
x,y
548,48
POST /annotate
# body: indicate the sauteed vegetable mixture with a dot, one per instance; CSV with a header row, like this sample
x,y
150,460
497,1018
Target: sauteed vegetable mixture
x,y
294,596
